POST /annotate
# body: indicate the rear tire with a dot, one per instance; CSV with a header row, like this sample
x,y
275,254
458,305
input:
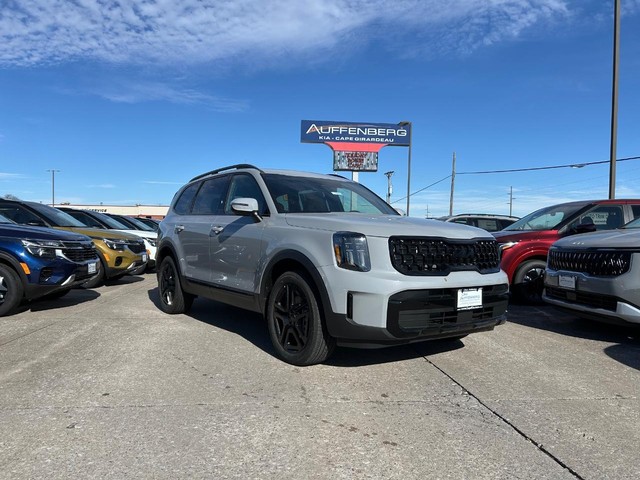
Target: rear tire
x,y
173,299
295,323
11,290
528,282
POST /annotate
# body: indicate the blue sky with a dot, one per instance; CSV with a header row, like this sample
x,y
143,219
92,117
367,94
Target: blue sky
x,y
130,99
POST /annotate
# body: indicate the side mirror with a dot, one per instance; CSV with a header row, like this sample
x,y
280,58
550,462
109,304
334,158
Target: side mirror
x,y
586,227
245,206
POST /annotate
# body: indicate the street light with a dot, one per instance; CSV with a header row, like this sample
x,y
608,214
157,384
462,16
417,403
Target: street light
x,y
389,186
53,186
403,124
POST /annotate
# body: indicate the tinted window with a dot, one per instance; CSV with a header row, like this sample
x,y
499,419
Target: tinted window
x,y
548,218
209,198
55,217
183,204
244,186
86,219
604,217
20,215
635,209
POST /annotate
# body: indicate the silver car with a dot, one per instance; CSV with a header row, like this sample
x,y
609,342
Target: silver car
x,y
326,261
597,275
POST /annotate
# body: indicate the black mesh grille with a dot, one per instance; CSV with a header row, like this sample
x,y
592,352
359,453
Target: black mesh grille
x,y
79,251
136,247
611,263
437,256
588,299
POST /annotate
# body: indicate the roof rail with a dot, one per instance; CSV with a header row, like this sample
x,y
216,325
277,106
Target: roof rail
x,y
230,167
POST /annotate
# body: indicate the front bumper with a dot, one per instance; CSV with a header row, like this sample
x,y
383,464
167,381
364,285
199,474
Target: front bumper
x,y
394,309
611,299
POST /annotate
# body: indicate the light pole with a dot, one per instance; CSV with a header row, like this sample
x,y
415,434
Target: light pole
x,y
409,124
389,186
614,100
53,186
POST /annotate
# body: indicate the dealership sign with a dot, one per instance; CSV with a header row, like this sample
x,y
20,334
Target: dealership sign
x,y
318,131
355,145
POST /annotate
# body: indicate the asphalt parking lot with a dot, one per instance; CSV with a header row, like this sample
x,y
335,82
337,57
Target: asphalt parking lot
x,y
102,384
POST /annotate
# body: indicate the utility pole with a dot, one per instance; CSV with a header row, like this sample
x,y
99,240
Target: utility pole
x,y
389,186
614,100
53,186
453,181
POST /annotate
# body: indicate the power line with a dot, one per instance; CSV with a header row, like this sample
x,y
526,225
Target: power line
x,y
428,186
571,165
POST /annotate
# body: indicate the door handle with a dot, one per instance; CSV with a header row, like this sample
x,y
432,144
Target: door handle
x,y
217,229
178,228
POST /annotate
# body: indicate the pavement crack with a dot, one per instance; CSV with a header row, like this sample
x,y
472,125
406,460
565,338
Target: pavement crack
x,y
26,334
506,421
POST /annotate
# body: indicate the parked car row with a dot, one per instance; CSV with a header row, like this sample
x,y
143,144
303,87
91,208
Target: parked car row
x,y
45,251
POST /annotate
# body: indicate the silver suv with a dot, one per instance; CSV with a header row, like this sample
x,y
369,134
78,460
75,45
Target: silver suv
x,y
597,275
326,261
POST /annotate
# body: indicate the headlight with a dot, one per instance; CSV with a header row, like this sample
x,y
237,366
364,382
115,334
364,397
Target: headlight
x,y
115,243
351,251
152,241
506,246
43,248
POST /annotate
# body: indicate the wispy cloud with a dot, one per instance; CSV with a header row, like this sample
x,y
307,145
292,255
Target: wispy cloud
x,y
10,176
145,91
103,185
166,32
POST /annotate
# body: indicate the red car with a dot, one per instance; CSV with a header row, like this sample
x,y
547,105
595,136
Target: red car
x,y
524,244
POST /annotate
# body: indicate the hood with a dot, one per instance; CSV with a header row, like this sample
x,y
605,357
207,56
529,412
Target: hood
x,y
384,225
504,236
100,233
138,233
39,233
605,239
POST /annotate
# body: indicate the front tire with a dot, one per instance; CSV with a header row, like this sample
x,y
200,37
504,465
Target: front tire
x,y
295,323
11,290
528,282
173,299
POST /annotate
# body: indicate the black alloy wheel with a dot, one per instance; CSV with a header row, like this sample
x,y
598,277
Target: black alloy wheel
x,y
295,323
11,290
528,282
172,298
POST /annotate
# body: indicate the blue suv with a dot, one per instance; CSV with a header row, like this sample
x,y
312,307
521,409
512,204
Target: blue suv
x,y
37,261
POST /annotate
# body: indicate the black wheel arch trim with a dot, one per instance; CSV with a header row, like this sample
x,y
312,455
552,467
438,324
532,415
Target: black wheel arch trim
x,y
310,268
15,264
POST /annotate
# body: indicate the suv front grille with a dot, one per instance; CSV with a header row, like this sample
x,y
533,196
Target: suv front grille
x,y
136,247
79,251
438,256
611,263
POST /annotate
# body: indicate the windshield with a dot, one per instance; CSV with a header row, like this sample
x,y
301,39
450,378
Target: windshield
x,y
633,223
110,222
293,194
548,218
56,217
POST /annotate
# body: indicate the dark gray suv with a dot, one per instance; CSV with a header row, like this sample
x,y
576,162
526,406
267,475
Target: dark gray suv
x,y
326,261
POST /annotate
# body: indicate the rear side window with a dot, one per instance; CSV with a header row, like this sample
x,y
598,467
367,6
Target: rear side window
x,y
183,204
210,196
636,211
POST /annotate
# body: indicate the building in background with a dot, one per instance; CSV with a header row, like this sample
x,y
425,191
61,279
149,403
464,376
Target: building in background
x,y
150,211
